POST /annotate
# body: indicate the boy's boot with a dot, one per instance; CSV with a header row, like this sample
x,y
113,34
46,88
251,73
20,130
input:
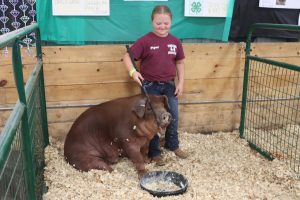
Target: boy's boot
x,y
181,154
158,160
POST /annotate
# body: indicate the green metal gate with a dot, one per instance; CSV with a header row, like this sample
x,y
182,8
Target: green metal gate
x,y
270,115
25,134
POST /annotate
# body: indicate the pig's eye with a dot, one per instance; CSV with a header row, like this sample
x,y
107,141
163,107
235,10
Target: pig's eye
x,y
148,108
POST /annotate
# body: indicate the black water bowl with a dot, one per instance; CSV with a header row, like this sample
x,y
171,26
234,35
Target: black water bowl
x,y
164,183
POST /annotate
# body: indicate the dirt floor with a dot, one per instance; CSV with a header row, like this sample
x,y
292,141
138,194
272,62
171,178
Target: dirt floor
x,y
220,166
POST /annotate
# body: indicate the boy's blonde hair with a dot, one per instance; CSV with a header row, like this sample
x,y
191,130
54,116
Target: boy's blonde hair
x,y
161,9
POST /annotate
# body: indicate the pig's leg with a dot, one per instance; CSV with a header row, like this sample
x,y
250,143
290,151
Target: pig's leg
x,y
94,162
144,151
135,155
112,154
98,163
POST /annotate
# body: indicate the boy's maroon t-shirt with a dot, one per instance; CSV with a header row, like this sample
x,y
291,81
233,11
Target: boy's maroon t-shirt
x,y
158,56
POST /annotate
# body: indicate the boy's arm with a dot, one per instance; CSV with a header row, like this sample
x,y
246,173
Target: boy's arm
x,y
180,74
131,70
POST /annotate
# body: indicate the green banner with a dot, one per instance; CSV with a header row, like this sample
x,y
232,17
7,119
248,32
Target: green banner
x,y
128,20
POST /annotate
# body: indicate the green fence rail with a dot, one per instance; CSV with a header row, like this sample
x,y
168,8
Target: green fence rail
x,y
270,114
25,134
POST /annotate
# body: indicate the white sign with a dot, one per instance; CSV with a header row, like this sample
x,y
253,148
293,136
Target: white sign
x,y
145,0
290,4
80,7
206,8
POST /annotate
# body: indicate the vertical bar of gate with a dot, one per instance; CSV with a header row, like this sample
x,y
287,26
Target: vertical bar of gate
x,y
18,74
245,84
42,88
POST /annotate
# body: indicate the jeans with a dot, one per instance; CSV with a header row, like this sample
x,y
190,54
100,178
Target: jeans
x,y
171,136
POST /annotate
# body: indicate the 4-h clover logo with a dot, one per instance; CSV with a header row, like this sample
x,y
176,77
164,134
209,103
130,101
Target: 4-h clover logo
x,y
196,7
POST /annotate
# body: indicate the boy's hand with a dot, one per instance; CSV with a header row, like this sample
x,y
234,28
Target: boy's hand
x,y
179,90
137,77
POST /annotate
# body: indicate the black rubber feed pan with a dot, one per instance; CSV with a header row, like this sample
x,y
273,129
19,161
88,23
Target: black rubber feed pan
x,y
164,183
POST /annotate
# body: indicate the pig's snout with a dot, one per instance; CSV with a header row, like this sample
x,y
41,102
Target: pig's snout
x,y
165,119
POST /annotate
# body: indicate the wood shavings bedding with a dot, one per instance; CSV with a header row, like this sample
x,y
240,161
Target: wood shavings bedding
x,y
220,166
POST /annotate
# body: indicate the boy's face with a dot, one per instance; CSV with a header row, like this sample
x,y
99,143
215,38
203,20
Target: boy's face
x,y
161,24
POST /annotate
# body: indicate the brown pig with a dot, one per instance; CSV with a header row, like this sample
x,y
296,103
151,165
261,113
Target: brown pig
x,y
120,127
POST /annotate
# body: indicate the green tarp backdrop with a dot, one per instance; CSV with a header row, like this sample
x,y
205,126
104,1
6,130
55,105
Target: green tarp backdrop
x,y
128,21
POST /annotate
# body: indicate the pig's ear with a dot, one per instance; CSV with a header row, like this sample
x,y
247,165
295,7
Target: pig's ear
x,y
166,102
140,107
